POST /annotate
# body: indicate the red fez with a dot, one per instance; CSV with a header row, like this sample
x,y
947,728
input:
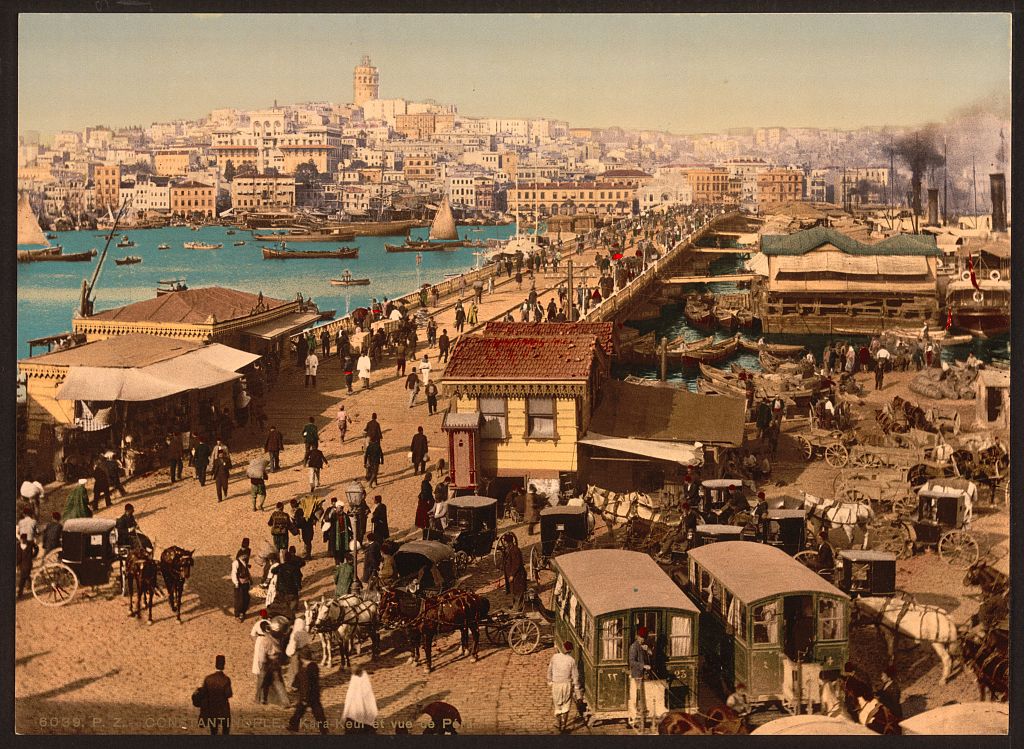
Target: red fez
x,y
263,614
760,495
642,632
567,645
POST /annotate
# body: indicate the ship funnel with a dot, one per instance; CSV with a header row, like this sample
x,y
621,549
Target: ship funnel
x,y
933,207
997,186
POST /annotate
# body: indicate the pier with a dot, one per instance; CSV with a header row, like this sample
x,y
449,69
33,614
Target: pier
x,y
727,277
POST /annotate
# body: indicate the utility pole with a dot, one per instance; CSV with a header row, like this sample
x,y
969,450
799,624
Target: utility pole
x,y
570,293
663,349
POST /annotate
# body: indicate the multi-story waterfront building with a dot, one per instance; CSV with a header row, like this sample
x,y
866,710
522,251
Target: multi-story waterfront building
x,y
107,181
191,197
252,193
175,162
273,140
568,198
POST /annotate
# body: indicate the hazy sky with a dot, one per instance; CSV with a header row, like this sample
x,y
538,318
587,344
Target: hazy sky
x,y
684,73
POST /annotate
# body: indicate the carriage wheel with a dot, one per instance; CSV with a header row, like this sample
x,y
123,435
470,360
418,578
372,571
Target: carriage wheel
x,y
959,549
495,634
853,494
54,584
461,561
535,563
807,558
836,455
523,636
51,557
513,514
904,504
806,448
868,460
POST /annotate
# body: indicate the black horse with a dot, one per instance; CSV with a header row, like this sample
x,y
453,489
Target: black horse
x,y
176,566
143,582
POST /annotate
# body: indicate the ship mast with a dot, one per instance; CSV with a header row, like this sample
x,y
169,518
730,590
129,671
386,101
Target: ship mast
x,y
945,201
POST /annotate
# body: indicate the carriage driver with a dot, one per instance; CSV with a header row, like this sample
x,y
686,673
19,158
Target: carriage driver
x,y
127,528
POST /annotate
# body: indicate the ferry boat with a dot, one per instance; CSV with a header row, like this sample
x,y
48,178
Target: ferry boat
x,y
130,260
239,244
344,253
984,311
202,246
126,243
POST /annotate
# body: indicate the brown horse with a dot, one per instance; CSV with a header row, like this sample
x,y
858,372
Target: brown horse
x,y
986,652
143,582
983,575
719,721
176,566
453,609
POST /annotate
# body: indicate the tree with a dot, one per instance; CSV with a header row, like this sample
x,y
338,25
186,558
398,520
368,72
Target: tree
x,y
271,171
307,173
229,170
141,167
246,169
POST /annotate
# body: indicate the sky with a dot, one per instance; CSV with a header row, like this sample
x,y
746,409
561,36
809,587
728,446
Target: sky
x,y
677,72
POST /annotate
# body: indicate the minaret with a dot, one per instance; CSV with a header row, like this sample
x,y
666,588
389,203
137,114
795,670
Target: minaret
x,y
365,82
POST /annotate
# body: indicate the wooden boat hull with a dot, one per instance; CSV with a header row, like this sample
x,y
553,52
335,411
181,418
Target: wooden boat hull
x,y
345,236
346,254
781,350
350,282
711,355
700,317
726,319
421,248
128,261
982,322
27,256
74,257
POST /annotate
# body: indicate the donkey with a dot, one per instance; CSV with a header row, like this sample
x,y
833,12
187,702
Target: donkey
x,y
894,617
176,566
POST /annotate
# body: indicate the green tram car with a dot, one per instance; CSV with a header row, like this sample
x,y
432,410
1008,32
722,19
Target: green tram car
x,y
767,621
601,598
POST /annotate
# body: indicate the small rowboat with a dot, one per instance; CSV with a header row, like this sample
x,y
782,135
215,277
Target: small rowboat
x,y
423,246
782,350
699,315
126,243
712,354
130,260
350,282
202,246
343,253
726,319
163,247
239,244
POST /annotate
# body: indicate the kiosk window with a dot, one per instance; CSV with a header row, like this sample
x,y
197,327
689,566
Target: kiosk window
x,y
680,639
540,418
766,624
611,640
705,586
831,623
495,418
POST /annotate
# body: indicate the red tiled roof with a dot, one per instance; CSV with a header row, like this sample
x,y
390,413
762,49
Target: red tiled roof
x,y
624,173
192,307
603,331
517,359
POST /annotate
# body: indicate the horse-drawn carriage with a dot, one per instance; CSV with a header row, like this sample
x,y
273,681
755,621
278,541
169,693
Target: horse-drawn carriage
x,y
866,572
86,557
882,488
522,631
425,565
942,520
602,599
720,499
767,621
472,524
562,528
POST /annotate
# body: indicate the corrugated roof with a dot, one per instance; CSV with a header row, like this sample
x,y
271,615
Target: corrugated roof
x,y
193,306
603,331
668,414
608,580
802,242
534,358
753,571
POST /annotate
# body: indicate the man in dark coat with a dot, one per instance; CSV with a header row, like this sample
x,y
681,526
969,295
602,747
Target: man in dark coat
x,y
221,473
532,509
325,343
379,519
305,528
424,505
372,461
215,709
201,459
419,452
339,532
280,525
101,484
889,692
514,570
52,533
372,429
347,368
443,345
25,551
114,472
175,453
308,682
371,557
274,445
310,437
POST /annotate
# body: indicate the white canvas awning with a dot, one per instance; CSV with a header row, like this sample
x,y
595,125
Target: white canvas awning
x,y
282,325
675,452
195,370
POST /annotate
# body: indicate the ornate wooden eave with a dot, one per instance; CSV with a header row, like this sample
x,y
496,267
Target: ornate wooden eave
x,y
562,389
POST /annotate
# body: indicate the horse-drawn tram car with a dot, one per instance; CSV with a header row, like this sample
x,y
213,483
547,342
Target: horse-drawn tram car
x,y
767,621
602,598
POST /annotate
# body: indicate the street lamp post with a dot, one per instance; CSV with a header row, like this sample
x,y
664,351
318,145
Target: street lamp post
x,y
355,499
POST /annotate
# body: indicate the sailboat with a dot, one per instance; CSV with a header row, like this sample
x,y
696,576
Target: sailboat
x,y
443,235
30,233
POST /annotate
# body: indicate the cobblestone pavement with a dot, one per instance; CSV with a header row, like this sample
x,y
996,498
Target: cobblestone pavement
x,y
87,668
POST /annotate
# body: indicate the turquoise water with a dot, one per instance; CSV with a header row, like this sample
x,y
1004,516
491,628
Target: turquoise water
x,y
48,293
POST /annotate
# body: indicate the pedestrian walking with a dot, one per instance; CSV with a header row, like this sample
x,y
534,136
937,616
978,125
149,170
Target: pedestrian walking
x,y
274,445
472,318
363,367
514,570
101,484
266,664
201,459
400,362
25,552
412,384
343,421
114,470
241,579
431,332
77,503
257,473
460,319
424,369
431,393
531,509
288,577
325,342
312,362
372,429
221,472
310,438
373,459
564,678
314,463
344,572
280,526
33,493
337,528
214,700
298,641
418,451
443,344
371,559
879,373
379,519
424,506
348,367
308,682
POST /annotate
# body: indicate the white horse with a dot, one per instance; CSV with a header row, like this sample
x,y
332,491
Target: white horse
x,y
616,507
896,617
846,515
342,619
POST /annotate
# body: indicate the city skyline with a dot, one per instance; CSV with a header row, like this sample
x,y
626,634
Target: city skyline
x,y
860,60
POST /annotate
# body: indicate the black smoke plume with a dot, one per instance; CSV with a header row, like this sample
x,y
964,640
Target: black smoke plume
x,y
919,152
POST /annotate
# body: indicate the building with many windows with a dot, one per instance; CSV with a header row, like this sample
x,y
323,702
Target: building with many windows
x,y
251,193
191,197
107,185
780,185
